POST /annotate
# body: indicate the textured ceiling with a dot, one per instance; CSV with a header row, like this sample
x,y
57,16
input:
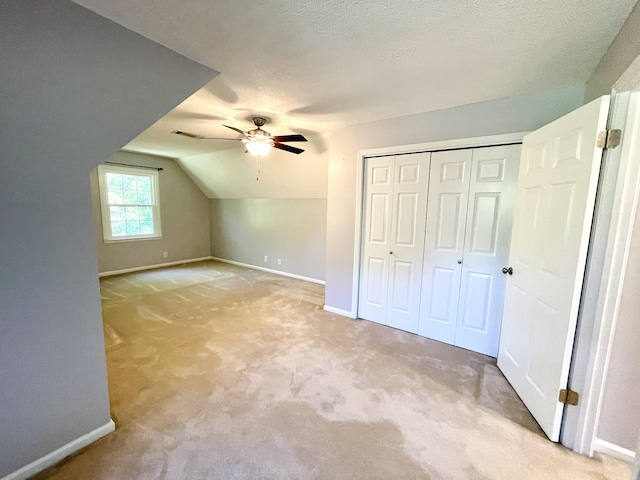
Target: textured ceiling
x,y
314,65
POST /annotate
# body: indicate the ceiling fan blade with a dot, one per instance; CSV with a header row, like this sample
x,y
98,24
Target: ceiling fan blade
x,y
220,138
288,148
236,129
200,137
187,134
290,138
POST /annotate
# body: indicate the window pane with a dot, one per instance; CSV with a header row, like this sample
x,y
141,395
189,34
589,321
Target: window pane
x,y
133,228
117,214
145,213
146,228
118,229
115,197
144,184
129,182
131,214
130,197
144,198
114,181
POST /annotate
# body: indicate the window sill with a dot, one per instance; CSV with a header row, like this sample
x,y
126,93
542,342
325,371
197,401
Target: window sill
x,y
137,239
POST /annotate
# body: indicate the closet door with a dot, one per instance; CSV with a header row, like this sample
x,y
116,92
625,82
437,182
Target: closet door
x,y
444,243
407,240
391,266
376,242
494,175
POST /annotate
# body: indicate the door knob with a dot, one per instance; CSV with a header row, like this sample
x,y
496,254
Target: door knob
x,y
459,262
508,270
390,253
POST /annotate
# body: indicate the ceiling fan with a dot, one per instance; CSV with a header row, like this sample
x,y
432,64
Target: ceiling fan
x,y
258,142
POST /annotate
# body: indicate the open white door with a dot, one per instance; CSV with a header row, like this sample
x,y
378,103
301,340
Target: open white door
x,y
553,211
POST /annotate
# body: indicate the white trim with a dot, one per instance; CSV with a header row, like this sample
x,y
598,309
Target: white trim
x,y
154,180
61,453
357,237
472,142
151,267
613,450
339,311
269,270
486,141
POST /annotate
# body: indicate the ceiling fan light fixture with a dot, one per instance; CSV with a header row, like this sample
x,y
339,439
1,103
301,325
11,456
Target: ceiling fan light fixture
x,y
258,149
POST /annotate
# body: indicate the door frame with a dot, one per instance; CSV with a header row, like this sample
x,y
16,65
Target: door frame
x,y
472,142
593,346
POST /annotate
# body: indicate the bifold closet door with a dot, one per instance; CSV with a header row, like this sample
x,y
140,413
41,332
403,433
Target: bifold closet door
x,y
444,243
391,266
492,189
468,232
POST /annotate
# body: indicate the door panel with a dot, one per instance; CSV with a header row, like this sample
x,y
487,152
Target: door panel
x,y
476,314
486,247
484,223
378,218
444,240
443,296
376,282
407,226
401,294
552,219
374,277
407,218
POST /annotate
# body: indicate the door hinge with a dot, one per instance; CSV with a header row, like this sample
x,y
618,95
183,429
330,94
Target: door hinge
x,y
609,138
568,396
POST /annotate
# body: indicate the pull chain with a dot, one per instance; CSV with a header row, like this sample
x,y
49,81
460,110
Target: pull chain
x,y
258,176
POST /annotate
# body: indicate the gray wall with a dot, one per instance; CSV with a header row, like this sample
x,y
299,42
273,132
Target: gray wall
x,y
184,212
274,207
621,53
515,114
74,88
619,421
294,230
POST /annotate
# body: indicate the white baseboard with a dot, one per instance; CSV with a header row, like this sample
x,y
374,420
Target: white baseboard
x,y
339,311
150,267
63,452
269,270
613,450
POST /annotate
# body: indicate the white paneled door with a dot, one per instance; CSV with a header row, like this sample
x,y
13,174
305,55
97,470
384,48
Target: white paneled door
x,y
468,231
391,266
487,240
444,243
552,220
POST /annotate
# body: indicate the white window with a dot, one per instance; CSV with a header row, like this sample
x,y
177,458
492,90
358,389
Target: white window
x,y
130,203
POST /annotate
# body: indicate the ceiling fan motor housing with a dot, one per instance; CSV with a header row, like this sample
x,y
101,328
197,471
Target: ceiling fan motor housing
x,y
259,121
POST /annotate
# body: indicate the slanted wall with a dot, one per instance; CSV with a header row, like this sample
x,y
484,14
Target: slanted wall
x,y
75,87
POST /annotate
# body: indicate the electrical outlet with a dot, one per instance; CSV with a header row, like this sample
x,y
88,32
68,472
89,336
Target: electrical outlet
x,y
266,259
165,254
279,261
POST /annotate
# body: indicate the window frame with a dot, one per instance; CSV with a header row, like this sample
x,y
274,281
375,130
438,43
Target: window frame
x,y
107,232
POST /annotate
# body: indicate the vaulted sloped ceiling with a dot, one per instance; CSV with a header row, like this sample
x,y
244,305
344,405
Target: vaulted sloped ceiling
x,y
313,66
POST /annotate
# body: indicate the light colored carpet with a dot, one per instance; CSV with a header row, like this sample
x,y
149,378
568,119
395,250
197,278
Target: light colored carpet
x,y
220,372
